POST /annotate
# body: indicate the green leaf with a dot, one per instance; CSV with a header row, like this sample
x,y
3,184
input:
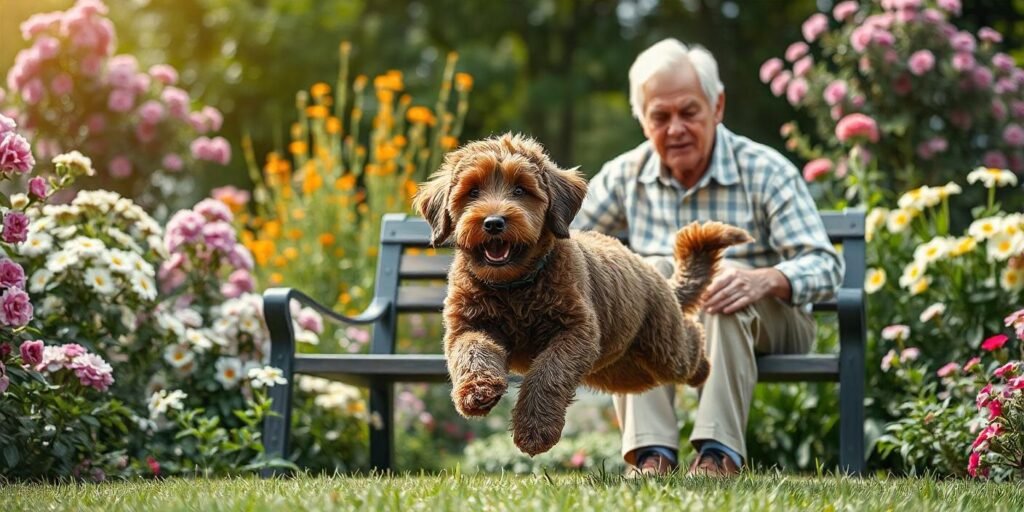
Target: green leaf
x,y
11,455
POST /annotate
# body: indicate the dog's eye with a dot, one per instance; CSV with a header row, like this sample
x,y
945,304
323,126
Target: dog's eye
x,y
518,191
474,193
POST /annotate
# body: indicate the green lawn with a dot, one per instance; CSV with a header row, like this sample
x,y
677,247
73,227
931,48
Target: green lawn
x,y
570,493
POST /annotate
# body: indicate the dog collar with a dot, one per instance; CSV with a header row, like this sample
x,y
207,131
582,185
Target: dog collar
x,y
525,280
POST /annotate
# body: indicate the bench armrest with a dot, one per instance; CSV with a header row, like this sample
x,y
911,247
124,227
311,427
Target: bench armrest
x,y
850,310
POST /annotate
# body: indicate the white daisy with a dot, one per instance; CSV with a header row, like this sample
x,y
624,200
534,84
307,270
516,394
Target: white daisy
x,y
144,286
1011,280
229,371
1001,246
898,220
19,201
875,219
39,280
119,261
949,189
250,325
306,336
80,164
170,324
992,177
190,317
163,401
875,280
266,376
36,244
932,311
100,280
982,229
920,198
178,355
61,260
86,246
141,266
962,245
65,232
933,250
196,338
912,272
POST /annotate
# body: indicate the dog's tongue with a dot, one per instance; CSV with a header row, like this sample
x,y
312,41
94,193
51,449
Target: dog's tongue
x,y
497,251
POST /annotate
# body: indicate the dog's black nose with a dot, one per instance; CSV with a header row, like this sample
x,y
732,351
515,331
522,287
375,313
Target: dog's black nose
x,y
494,225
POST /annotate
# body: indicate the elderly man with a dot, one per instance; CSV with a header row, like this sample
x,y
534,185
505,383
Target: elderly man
x,y
692,168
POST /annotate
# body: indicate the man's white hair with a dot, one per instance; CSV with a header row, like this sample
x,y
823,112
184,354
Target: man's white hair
x,y
666,56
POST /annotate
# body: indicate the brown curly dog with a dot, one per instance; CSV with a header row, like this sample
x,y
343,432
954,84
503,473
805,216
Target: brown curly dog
x,y
525,296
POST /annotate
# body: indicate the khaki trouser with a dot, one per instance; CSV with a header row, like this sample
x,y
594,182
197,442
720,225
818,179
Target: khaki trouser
x,y
767,326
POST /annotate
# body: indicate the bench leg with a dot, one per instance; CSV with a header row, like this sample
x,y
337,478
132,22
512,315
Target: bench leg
x,y
382,425
851,412
277,425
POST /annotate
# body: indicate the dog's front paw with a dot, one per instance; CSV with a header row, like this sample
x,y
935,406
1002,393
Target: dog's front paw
x,y
536,439
477,397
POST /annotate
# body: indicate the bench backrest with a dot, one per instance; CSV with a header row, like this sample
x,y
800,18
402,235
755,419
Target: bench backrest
x,y
414,282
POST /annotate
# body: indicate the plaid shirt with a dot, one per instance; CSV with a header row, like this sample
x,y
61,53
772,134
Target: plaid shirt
x,y
748,185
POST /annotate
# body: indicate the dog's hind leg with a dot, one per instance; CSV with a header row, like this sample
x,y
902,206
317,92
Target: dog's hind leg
x,y
478,367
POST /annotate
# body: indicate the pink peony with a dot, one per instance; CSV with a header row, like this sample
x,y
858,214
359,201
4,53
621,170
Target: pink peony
x,y
15,227
1013,134
185,227
814,27
857,126
770,69
120,167
861,37
995,342
11,274
990,35
31,352
151,112
38,188
172,162
948,369
909,354
835,92
164,74
219,236
844,10
92,371
796,91
780,82
816,169
215,150
15,154
921,62
885,39
797,50
121,100
15,308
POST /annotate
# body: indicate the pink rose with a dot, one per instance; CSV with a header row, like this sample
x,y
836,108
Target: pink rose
x,y
796,50
62,84
141,82
857,126
780,82
121,100
963,42
970,364
47,47
213,210
1003,62
1008,369
213,117
231,195
11,274
921,62
948,370
995,342
164,74
31,353
33,92
96,124
120,167
803,65
974,462
39,23
814,27
844,10
770,69
15,154
990,35
981,77
998,109
172,162
15,307
910,354
198,122
240,257
91,65
310,320
38,188
121,70
15,227
817,168
950,6
145,132
861,37
796,91
92,371
176,101
219,236
835,92
1013,135
151,112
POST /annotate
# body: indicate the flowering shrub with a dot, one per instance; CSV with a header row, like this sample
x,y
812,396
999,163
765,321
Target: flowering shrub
x,y
898,97
71,91
326,201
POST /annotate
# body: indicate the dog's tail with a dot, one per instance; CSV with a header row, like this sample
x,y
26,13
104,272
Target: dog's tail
x,y
698,250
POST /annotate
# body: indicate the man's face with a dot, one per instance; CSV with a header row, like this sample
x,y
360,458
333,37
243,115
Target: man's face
x,y
680,122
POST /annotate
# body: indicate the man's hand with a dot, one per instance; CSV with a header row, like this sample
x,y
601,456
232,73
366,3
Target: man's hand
x,y
736,288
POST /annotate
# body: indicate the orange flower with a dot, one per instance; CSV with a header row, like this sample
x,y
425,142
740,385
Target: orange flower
x,y
294,234
276,278
279,261
261,250
405,100
448,142
298,147
385,96
298,214
463,81
420,115
272,229
311,181
320,89
346,182
386,151
359,82
399,141
316,111
290,253
333,125
326,239
410,188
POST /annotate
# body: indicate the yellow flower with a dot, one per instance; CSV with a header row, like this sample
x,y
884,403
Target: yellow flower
x,y
875,280
359,82
371,251
326,239
276,278
290,253
316,111
399,141
279,261
345,298
262,251
385,96
311,181
920,286
346,182
463,81
272,229
405,100
448,142
333,125
298,148
320,89
963,245
298,214
363,208
386,151
1012,280
420,115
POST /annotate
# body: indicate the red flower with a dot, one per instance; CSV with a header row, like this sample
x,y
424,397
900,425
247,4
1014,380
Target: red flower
x,y
994,342
154,466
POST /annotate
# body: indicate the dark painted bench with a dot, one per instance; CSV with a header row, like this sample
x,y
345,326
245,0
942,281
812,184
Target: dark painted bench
x,y
408,283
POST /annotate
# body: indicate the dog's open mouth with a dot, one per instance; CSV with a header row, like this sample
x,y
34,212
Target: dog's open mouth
x,y
497,252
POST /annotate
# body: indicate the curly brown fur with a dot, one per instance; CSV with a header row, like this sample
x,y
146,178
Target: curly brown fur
x,y
595,314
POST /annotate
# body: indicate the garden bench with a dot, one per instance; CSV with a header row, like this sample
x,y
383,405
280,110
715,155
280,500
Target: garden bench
x,y
414,283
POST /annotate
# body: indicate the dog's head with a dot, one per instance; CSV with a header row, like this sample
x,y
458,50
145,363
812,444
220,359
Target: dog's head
x,y
503,201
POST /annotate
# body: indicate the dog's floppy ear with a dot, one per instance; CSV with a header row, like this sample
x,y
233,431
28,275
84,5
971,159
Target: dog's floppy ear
x,y
566,190
432,202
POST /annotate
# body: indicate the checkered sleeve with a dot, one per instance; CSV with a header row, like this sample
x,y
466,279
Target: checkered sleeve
x,y
797,234
603,208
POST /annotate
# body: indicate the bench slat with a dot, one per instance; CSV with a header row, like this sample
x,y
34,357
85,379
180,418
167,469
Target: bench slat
x,y
421,299
432,368
421,266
